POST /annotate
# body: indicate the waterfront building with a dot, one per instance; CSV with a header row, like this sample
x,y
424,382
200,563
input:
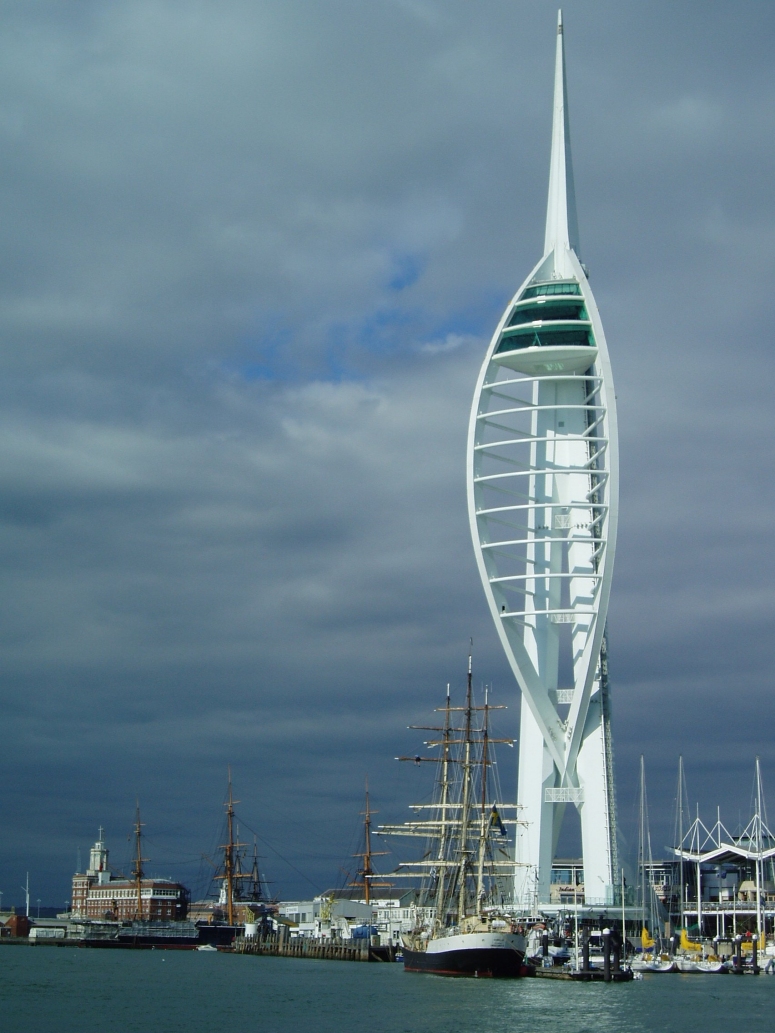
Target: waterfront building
x,y
330,914
542,473
98,893
15,926
399,914
335,914
724,883
300,916
567,882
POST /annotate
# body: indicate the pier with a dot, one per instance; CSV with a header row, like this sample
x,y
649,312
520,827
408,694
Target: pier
x,y
305,947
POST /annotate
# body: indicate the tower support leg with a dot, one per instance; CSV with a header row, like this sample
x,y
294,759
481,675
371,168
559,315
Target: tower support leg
x,y
535,840
591,767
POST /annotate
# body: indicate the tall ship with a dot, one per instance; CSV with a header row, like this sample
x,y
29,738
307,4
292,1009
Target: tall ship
x,y
466,870
242,902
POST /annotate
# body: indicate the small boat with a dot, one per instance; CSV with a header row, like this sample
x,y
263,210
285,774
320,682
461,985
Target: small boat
x,y
207,947
653,963
705,965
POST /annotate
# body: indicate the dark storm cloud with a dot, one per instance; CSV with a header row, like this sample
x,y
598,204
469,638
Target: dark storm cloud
x,y
252,255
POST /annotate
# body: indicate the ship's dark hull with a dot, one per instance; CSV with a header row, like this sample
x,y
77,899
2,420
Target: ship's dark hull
x,y
484,963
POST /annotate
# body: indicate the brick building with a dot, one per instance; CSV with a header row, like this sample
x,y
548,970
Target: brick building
x,y
98,893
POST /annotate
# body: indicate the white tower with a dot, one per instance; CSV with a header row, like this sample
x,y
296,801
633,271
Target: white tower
x,y
543,497
98,860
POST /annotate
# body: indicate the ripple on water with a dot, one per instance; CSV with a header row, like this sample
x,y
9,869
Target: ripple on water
x,y
93,991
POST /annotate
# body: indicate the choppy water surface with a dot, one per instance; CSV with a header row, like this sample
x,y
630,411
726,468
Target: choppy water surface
x,y
59,990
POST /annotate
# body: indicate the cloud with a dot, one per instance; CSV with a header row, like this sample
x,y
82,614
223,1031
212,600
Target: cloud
x,y
252,256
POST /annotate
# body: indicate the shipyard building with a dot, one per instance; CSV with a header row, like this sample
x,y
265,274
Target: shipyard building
x,y
100,894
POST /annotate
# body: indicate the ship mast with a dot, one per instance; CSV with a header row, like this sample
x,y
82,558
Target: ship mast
x,y
367,872
228,854
255,877
137,868
367,869
483,833
461,905
442,851
449,865
446,825
234,853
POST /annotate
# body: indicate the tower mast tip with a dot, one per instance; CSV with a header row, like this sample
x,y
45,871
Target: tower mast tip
x,y
561,224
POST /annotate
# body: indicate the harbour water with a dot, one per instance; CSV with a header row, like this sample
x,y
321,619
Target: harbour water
x,y
91,991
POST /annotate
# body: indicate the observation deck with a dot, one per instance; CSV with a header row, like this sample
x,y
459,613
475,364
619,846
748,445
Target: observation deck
x,y
548,331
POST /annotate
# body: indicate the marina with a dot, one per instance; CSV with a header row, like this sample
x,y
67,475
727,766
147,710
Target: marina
x,y
486,896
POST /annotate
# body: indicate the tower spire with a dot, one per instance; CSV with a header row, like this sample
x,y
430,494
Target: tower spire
x,y
562,231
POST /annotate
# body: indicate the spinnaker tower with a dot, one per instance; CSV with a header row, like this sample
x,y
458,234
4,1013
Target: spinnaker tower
x,y
542,472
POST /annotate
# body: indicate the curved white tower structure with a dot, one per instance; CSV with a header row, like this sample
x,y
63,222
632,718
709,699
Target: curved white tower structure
x,y
543,497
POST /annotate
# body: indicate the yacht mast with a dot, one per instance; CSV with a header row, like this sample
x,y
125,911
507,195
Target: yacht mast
x,y
681,835
699,876
758,848
642,844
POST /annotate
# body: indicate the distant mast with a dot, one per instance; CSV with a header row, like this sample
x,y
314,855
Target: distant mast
x,y
366,873
137,867
229,854
235,873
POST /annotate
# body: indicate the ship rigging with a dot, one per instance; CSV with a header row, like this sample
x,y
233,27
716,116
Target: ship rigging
x,y
465,871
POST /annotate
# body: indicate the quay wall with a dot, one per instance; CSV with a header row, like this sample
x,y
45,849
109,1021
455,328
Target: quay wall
x,y
303,947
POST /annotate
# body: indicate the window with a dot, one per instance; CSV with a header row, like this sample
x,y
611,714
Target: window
x,y
551,289
564,311
544,339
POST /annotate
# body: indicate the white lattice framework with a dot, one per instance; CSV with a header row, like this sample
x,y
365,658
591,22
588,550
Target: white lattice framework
x,y
542,493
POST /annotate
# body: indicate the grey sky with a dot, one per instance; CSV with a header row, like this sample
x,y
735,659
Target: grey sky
x,y
252,256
